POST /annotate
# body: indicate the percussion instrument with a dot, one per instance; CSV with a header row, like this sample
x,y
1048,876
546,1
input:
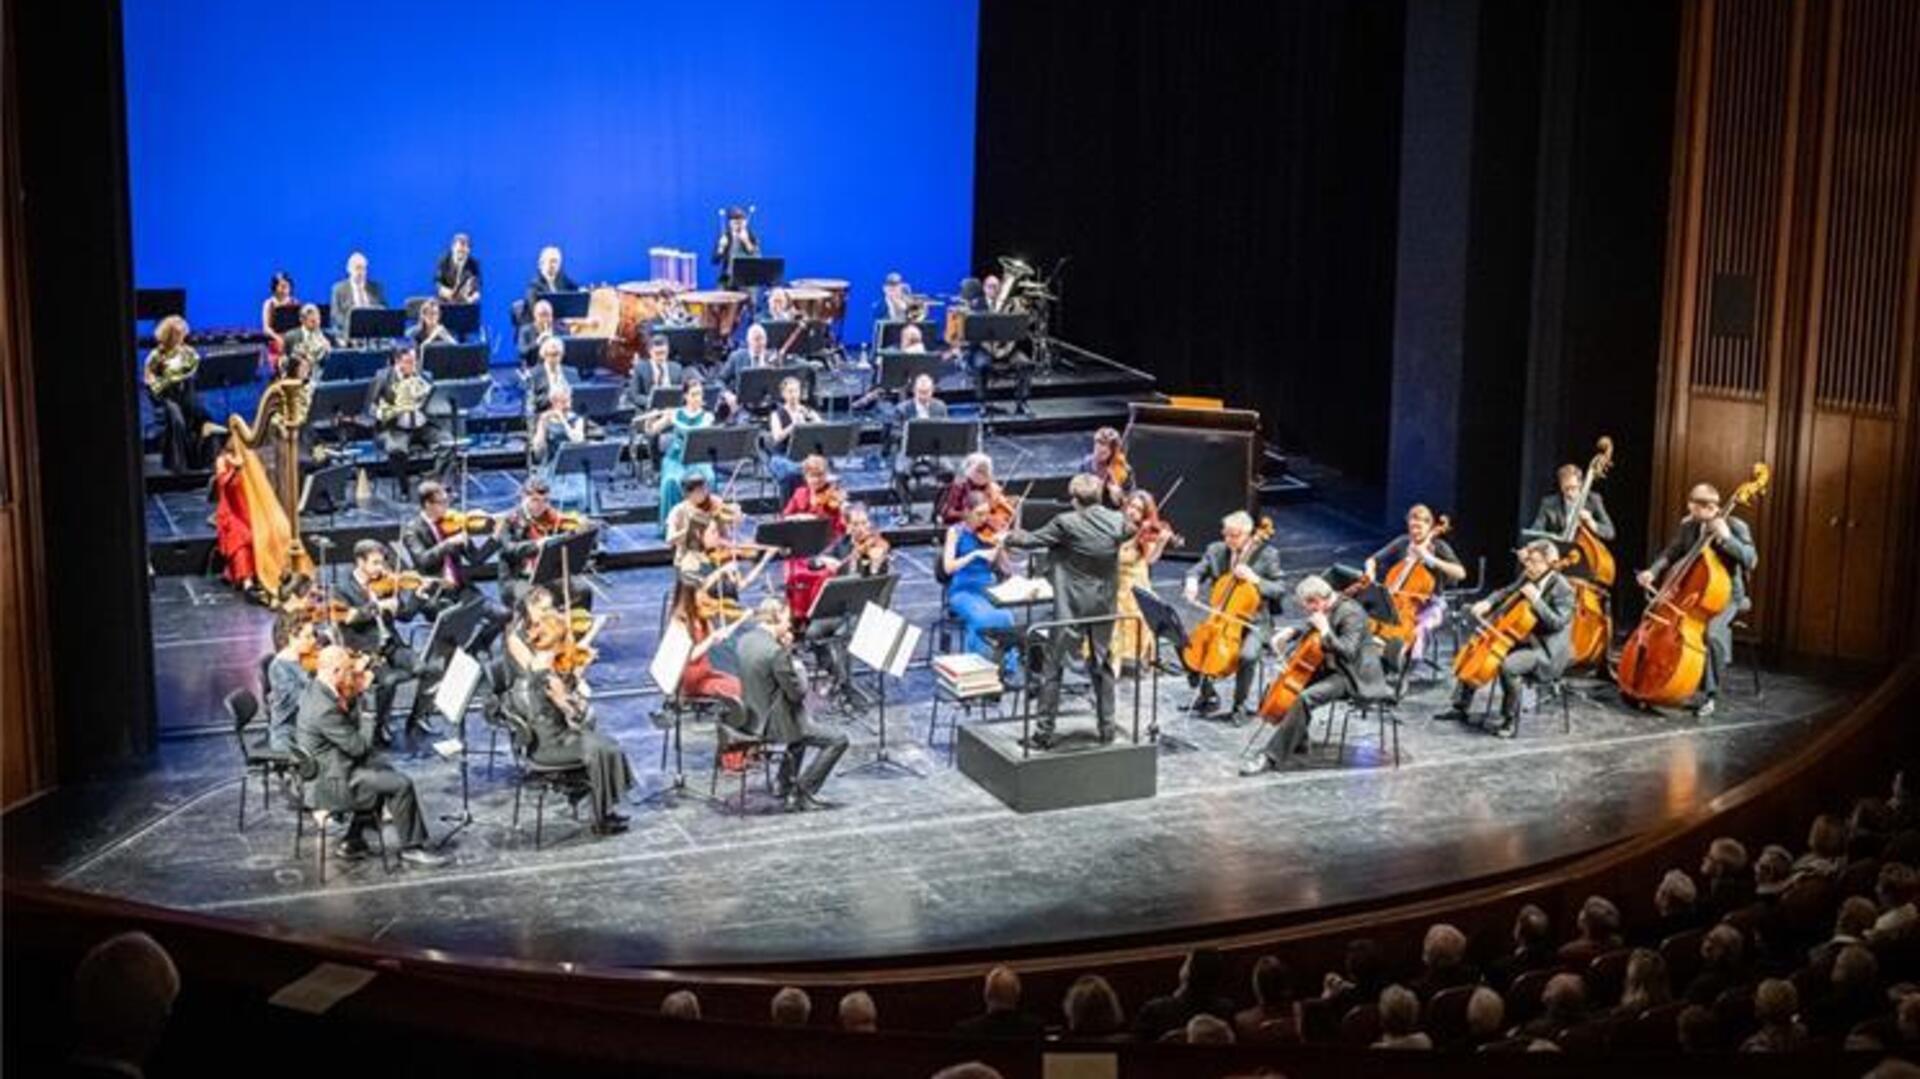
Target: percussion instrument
x,y
835,307
673,266
811,303
719,310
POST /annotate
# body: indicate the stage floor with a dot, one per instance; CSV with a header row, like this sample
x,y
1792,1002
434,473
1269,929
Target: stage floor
x,y
904,864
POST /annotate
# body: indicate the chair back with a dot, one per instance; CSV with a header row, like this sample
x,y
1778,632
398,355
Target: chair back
x,y
1523,996
1682,953
1654,1030
242,707
1447,1014
1606,976
1361,1025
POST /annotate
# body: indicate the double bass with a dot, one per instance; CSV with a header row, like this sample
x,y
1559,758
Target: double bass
x,y
1665,659
1213,648
1478,662
1303,663
1592,614
1410,585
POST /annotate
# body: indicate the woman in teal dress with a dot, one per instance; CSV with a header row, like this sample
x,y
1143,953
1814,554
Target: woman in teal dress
x,y
691,415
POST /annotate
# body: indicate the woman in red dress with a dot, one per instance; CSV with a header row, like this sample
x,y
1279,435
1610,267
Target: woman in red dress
x,y
818,496
279,294
232,521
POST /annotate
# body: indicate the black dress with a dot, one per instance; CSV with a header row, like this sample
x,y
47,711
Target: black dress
x,y
556,742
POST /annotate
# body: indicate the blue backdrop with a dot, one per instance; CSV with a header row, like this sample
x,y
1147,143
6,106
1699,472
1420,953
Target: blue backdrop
x,y
267,136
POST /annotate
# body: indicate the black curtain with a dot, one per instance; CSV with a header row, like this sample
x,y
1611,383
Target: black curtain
x,y
1223,178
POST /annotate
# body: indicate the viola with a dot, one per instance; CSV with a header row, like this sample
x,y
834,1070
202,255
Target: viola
x,y
1478,661
831,500
1666,657
392,584
1213,648
555,523
470,522
1002,512
1302,666
871,551
1410,585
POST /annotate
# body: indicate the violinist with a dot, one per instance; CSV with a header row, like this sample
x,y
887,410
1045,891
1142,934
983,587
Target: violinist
x,y
1133,642
699,522
971,564
440,544
535,604
524,531
1085,542
1230,556
1351,668
1545,653
1551,517
976,477
350,779
1421,546
169,375
861,552
1733,542
295,645
562,726
696,610
1109,462
820,495
376,604
791,412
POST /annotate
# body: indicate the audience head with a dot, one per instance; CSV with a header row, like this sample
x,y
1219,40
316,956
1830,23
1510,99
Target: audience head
x,y
1531,927
1775,1002
1206,1029
1857,914
1896,885
1676,894
1444,948
1726,857
791,1007
1827,838
972,1069
858,1014
1399,1011
1646,982
1363,963
1723,947
1697,1030
1092,1007
1565,997
123,990
1772,868
1599,919
1855,970
1272,981
1907,1018
1002,990
1486,1012
681,1004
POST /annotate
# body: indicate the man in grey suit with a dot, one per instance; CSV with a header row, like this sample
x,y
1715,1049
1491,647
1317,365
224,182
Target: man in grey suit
x,y
1085,544
1732,540
1239,553
1544,654
303,349
920,404
356,291
1352,668
1551,517
343,776
774,689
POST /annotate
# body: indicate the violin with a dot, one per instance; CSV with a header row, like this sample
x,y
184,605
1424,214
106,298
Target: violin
x,y
1410,584
1002,512
831,500
872,551
1666,657
1155,534
1118,470
392,584
469,522
555,523
1213,648
1302,665
1478,662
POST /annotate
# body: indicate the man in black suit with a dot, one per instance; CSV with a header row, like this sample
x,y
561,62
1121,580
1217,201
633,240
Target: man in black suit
x,y
1238,553
547,374
754,353
535,332
1551,517
453,560
345,777
397,399
920,404
1733,542
774,689
357,290
1352,668
371,627
1085,545
654,370
548,277
1546,651
303,349
456,277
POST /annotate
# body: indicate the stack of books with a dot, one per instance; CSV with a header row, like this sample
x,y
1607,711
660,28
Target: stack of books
x,y
965,674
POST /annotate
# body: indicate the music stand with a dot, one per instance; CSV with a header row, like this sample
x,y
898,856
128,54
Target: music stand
x,y
757,271
587,458
455,396
1163,622
716,446
376,323
455,361
898,370
597,400
285,317
451,698
994,327
799,537
568,304
685,344
886,332
665,397
829,440
759,387
884,641
942,438
334,484
343,400
559,553
461,319
343,364
584,354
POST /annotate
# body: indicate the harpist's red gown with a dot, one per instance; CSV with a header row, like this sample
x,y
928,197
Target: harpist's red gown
x,y
233,534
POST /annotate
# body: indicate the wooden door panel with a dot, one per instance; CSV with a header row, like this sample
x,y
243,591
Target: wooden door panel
x,y
1864,575
1823,542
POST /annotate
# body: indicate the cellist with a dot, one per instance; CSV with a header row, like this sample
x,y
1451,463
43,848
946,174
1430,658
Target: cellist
x,y
1733,541
1420,545
1545,653
1227,557
1351,668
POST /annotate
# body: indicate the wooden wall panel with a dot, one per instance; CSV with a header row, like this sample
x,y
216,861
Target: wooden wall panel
x,y
1793,258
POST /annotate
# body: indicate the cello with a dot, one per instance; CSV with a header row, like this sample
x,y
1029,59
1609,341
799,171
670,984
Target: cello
x,y
1592,617
1302,664
1213,648
1410,585
1665,659
1478,662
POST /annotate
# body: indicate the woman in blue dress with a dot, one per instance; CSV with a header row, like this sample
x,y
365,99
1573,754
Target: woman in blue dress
x,y
972,565
691,415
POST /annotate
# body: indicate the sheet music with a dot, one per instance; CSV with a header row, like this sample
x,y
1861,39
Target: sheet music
x,y
909,641
874,636
457,685
676,644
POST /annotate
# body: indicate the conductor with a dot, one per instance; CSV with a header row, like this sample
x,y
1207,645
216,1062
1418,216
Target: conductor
x,y
1085,542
